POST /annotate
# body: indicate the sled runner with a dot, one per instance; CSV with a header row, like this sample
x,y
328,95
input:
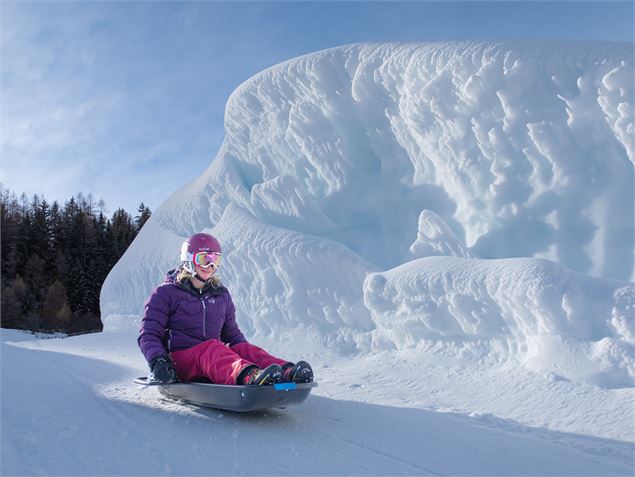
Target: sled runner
x,y
234,397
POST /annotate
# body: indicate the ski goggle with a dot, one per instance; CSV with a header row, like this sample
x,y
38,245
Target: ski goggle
x,y
207,259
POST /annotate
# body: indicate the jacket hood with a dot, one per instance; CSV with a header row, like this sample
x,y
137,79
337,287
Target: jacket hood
x,y
170,277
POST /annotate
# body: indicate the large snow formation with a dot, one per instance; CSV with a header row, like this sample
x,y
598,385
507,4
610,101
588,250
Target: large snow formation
x,y
360,190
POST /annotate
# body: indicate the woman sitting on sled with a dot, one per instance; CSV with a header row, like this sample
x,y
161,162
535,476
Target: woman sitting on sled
x,y
189,330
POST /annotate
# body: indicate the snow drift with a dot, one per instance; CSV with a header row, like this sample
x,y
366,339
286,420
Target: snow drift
x,y
528,311
359,190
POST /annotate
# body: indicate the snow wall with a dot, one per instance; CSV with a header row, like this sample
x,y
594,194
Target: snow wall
x,y
361,192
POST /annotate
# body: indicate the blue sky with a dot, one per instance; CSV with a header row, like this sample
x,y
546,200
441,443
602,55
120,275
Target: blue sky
x,y
125,100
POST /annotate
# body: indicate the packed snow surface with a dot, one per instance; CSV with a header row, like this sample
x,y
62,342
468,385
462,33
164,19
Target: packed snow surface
x,y
69,407
444,230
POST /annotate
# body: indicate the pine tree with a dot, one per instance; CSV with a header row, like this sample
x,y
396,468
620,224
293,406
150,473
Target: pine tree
x,y
123,231
9,222
56,237
101,206
24,234
142,218
102,262
37,283
41,233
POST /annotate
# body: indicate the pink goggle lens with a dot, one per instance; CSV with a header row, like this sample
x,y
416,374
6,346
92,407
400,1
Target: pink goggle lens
x,y
207,259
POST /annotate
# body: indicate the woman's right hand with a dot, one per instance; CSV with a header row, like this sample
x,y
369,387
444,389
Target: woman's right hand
x,y
162,370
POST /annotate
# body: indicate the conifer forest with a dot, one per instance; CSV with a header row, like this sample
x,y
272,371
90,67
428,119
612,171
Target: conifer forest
x,y
55,259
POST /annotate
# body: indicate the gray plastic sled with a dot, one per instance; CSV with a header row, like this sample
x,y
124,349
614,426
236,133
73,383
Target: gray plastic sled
x,y
234,397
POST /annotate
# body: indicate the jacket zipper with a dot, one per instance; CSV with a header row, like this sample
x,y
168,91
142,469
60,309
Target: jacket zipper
x,y
204,313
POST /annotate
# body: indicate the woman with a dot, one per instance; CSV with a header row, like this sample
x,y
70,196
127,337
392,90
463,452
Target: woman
x,y
189,330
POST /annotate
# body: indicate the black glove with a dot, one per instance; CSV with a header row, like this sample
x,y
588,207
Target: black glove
x,y
162,370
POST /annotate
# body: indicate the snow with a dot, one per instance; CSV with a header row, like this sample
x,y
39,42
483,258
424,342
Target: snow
x,y
79,414
444,230
529,311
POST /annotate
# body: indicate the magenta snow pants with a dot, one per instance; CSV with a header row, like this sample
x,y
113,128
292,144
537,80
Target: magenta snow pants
x,y
219,363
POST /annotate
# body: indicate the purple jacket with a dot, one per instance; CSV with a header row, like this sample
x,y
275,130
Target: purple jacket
x,y
178,316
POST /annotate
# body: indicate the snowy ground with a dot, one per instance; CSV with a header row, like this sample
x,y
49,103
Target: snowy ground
x,y
69,407
444,230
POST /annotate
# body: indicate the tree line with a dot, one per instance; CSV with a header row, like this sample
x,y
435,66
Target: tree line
x,y
55,259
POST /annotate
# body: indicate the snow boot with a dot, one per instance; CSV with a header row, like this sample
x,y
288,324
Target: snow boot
x,y
299,372
262,377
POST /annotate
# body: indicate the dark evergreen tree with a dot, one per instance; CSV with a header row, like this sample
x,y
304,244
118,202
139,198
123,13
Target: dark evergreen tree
x,y
123,231
142,218
9,222
54,259
41,233
103,261
23,235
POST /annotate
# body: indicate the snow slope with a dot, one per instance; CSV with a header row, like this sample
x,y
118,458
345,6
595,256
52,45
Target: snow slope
x,y
444,230
79,414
